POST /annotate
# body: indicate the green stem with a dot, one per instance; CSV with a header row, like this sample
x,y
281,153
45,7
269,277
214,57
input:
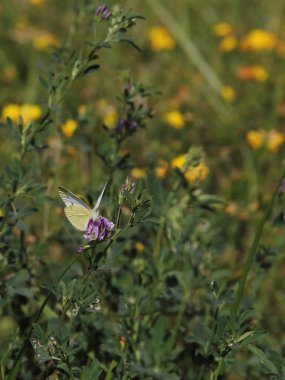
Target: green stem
x,y
16,366
252,253
2,371
201,373
217,370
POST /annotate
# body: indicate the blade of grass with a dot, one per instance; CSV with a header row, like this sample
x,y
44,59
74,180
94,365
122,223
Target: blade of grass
x,y
252,252
192,52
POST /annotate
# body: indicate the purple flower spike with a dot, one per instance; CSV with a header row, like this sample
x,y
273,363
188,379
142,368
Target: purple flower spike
x,y
126,126
120,126
103,11
99,229
131,125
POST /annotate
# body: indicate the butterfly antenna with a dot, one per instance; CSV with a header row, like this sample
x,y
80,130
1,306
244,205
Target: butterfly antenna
x,y
100,197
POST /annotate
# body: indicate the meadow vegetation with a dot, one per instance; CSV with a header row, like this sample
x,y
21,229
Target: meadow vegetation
x,y
178,108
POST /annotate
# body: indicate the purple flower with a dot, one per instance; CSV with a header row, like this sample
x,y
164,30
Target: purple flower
x,y
126,126
99,229
120,126
127,188
103,11
131,125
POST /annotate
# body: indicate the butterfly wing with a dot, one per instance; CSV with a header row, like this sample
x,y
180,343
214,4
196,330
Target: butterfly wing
x,y
96,207
70,199
78,216
76,211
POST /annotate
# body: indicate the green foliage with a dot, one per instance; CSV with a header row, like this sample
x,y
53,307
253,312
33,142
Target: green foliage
x,y
160,296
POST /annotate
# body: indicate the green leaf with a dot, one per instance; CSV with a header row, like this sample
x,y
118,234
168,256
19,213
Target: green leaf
x,y
263,359
92,372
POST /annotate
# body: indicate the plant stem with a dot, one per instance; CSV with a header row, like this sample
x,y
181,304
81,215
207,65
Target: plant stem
x,y
218,369
16,366
252,253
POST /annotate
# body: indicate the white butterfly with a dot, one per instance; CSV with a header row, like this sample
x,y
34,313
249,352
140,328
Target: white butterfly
x,y
77,212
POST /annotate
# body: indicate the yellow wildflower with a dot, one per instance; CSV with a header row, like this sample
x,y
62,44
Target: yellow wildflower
x,y
197,173
139,247
259,73
82,110
1,213
175,119
110,118
274,140
222,29
256,72
162,169
228,94
179,161
45,40
28,112
258,40
160,39
12,111
137,173
231,208
108,113
69,127
228,44
192,173
37,2
255,139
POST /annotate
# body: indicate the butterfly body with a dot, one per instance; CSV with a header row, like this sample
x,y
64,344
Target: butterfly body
x,y
76,211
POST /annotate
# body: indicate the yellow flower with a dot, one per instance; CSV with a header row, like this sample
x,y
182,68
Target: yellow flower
x,y
192,173
137,173
228,94
12,111
175,119
37,2
162,169
231,208
110,118
179,161
1,213
45,40
197,173
228,44
259,73
28,112
222,29
108,113
255,139
82,110
274,140
69,127
258,40
160,39
255,72
139,247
